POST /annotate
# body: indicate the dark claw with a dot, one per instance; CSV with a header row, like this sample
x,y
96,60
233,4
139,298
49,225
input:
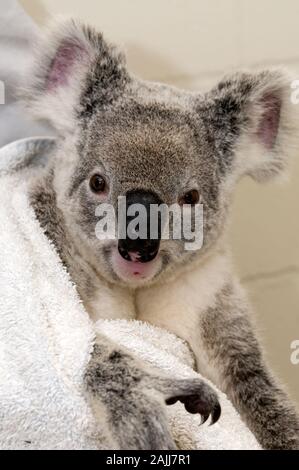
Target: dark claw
x,y
194,405
216,413
204,418
172,401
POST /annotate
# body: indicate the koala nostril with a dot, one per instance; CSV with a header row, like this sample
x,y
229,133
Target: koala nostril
x,y
124,253
146,257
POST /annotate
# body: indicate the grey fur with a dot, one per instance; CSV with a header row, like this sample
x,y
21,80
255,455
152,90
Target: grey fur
x,y
134,398
148,136
232,347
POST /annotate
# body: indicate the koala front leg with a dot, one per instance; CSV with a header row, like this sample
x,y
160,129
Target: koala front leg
x,y
236,363
130,398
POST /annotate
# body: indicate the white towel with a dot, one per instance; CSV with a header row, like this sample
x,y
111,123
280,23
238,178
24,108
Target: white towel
x,y
46,336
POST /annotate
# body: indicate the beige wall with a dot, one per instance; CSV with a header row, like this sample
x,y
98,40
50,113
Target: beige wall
x,y
191,43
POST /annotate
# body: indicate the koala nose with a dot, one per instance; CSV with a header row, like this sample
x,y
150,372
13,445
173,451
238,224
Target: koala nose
x,y
141,251
141,248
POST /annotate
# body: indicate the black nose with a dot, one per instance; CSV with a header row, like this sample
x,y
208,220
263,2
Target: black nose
x,y
143,248
139,250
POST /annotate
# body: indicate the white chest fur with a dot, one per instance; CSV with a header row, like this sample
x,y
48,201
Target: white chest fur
x,y
112,302
177,305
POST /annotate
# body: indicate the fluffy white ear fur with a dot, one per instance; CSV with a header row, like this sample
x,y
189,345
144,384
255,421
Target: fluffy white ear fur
x,y
270,137
65,54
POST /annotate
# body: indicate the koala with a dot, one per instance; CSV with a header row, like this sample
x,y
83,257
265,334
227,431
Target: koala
x,y
118,135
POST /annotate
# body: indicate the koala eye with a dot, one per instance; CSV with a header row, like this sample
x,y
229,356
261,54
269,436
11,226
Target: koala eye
x,y
97,184
190,198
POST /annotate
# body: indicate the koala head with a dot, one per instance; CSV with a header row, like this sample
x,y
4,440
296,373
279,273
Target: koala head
x,y
122,136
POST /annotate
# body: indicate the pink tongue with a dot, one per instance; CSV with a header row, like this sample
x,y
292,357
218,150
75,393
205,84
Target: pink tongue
x,y
135,267
138,271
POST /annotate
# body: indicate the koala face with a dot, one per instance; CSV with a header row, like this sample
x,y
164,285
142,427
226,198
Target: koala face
x,y
152,153
153,144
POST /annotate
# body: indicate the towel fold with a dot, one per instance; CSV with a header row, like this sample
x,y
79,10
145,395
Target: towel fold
x,y
46,336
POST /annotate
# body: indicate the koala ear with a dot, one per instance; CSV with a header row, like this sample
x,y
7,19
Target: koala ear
x,y
252,123
74,72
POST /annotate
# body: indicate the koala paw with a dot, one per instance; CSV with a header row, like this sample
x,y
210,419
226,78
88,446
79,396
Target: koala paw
x,y
198,398
131,398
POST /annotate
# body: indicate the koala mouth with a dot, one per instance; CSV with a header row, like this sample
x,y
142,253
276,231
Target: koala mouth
x,y
134,267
